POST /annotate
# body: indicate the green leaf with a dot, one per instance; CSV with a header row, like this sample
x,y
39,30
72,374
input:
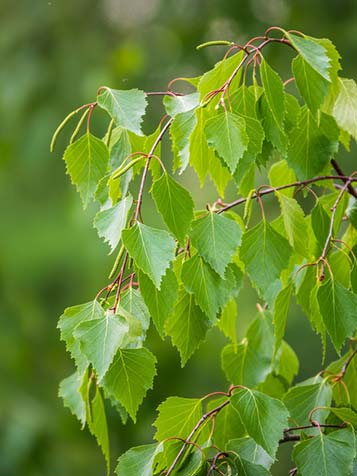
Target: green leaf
x,y
314,53
97,424
281,310
338,309
341,397
72,398
86,163
151,249
70,320
226,133
199,152
127,108
180,132
243,101
265,254
309,150
160,302
306,396
216,77
219,174
111,221
249,362
228,424
281,174
216,239
139,460
210,291
177,104
346,415
228,320
295,225
130,376
132,303
325,455
247,449
175,205
320,222
273,107
100,339
240,465
177,417
264,418
187,326
311,85
345,108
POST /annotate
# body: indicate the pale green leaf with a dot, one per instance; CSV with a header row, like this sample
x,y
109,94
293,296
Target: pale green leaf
x,y
100,338
228,320
338,309
219,174
151,249
177,417
216,239
160,302
326,455
177,104
314,53
216,77
174,203
281,174
130,376
86,163
70,320
211,292
180,132
72,398
127,108
111,221
295,225
264,418
187,325
345,108
139,460
265,254
226,133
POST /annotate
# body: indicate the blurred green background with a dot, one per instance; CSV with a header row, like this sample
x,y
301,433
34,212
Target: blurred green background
x,y
54,55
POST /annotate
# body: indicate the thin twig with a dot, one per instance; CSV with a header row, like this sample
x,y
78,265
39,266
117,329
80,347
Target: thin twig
x,y
200,422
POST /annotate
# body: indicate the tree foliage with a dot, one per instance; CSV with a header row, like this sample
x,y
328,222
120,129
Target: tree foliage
x,y
186,276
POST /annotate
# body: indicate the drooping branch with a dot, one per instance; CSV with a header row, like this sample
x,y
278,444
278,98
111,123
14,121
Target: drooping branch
x,y
300,183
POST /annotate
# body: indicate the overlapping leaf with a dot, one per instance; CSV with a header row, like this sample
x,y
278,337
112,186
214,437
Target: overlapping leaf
x,y
127,108
86,162
151,249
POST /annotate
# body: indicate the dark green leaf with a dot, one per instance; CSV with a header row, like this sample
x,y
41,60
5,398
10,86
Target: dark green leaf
x,y
264,417
325,455
139,460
